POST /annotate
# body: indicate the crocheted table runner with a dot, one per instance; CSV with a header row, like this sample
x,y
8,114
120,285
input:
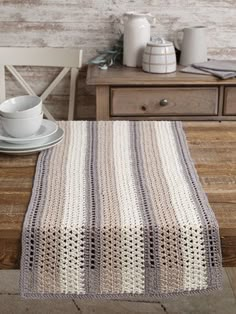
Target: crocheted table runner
x,y
118,212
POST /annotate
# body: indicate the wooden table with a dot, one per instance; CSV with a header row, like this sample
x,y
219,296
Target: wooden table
x,y
129,93
213,148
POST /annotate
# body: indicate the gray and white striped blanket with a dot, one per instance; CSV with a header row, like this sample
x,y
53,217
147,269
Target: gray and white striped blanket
x,y
117,211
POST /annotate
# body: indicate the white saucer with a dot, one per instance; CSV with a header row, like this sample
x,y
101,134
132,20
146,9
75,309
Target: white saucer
x,y
36,144
47,128
29,151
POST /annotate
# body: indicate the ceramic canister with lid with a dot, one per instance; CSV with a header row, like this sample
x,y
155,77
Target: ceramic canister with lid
x,y
159,57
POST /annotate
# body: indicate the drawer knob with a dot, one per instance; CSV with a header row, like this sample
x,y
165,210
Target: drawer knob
x,y
164,102
143,108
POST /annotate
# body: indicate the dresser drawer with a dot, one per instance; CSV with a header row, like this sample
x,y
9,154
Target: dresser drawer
x,y
164,101
230,101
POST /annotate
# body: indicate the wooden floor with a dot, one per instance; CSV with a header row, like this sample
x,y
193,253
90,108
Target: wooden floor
x,y
213,149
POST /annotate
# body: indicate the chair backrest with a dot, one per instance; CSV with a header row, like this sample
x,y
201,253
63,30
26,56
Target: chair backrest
x,y
68,59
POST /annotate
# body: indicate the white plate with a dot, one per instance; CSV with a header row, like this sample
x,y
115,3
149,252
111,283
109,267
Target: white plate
x,y
47,128
34,145
29,151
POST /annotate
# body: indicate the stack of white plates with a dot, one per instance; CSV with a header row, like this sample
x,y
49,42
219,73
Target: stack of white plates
x,y
46,137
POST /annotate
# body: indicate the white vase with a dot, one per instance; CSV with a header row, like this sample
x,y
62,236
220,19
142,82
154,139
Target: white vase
x,y
137,32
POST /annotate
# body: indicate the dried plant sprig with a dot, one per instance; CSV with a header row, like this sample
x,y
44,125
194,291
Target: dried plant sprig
x,y
109,57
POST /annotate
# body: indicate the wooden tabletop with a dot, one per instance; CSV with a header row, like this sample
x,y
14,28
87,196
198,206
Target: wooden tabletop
x,y
127,76
213,149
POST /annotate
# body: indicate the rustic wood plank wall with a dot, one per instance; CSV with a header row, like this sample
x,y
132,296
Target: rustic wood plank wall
x,y
93,24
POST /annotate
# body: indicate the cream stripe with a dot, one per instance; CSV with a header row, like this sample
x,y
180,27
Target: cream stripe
x,y
132,275
73,212
156,182
123,170
185,210
75,181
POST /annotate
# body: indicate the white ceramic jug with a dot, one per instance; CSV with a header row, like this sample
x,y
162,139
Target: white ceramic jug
x,y
136,35
194,45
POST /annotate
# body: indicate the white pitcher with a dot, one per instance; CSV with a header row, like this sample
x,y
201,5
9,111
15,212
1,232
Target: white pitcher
x,y
194,45
137,33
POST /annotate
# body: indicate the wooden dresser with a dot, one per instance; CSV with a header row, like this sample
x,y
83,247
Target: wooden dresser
x,y
130,93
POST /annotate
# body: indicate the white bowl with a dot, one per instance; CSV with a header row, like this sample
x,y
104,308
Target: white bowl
x,y
21,107
21,128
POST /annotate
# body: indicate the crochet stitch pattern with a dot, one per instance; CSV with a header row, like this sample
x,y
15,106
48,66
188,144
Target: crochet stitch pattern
x,y
118,212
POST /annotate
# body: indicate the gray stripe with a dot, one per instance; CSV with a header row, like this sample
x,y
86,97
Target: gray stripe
x,y
96,222
30,231
208,219
189,177
57,232
92,239
87,211
117,232
110,209
151,262
151,137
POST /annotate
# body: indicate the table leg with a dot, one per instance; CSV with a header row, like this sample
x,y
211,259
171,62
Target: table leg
x,y
102,103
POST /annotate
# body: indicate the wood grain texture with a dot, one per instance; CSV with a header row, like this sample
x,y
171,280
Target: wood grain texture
x,y
230,101
93,25
103,101
231,273
135,76
64,23
213,149
147,101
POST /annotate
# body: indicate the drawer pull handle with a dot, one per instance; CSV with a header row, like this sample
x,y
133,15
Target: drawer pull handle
x,y
143,108
164,102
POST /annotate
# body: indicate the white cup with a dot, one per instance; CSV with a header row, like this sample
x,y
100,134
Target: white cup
x,y
21,107
21,128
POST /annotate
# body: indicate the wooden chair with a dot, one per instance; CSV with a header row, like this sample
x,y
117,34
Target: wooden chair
x,y
68,59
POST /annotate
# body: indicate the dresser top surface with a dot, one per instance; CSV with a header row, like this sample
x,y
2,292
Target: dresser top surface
x,y
121,75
